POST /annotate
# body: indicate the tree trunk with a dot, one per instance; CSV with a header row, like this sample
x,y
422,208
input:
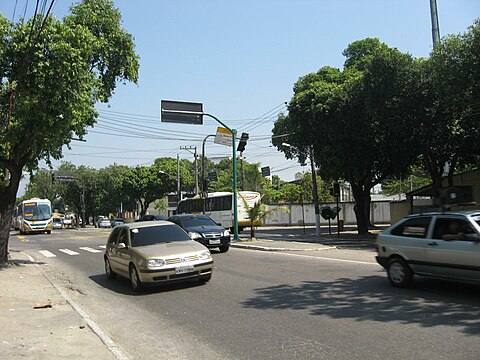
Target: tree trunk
x,y
252,231
361,203
8,196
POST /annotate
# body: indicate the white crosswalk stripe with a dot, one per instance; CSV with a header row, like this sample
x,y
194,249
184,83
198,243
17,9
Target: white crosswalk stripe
x,y
90,249
68,252
47,253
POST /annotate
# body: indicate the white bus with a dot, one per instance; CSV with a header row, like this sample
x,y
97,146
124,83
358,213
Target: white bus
x,y
34,215
219,206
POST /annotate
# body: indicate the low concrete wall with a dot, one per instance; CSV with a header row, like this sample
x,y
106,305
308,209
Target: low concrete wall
x,y
379,214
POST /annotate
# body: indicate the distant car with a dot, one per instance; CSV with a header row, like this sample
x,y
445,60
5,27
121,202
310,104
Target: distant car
x,y
57,223
152,218
104,223
155,253
443,245
116,221
69,220
99,218
203,229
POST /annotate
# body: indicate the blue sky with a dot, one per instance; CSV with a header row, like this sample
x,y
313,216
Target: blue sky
x,y
240,59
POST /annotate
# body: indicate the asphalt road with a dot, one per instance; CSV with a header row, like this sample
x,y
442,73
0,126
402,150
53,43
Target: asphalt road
x,y
335,304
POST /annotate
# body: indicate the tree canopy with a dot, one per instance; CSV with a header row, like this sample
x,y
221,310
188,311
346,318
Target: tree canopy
x,y
385,112
52,74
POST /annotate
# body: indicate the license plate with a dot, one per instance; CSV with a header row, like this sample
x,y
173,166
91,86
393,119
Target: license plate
x,y
184,269
214,242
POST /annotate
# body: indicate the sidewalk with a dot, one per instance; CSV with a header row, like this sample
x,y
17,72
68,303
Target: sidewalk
x,y
37,320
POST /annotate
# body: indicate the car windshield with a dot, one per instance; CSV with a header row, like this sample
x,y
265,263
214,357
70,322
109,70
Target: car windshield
x,y
190,222
157,235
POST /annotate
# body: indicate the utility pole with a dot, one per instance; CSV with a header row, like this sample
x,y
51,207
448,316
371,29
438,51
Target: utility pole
x,y
435,27
204,188
197,191
315,193
179,195
314,186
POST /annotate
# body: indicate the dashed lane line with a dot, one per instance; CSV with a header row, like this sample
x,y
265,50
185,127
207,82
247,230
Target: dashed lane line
x,y
89,249
68,251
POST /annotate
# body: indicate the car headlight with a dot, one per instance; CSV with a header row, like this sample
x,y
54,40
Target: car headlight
x,y
226,233
194,235
205,255
155,263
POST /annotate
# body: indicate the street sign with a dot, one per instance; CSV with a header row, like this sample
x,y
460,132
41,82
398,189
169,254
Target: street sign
x,y
181,112
62,178
223,137
212,175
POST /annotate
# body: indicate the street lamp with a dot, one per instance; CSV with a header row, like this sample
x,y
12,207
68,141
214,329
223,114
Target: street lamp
x,y
314,185
177,179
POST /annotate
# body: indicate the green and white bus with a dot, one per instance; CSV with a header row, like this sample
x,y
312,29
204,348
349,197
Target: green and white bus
x,y
219,206
34,216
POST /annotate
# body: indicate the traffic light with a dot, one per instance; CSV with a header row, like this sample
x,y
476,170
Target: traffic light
x,y
243,142
335,190
53,178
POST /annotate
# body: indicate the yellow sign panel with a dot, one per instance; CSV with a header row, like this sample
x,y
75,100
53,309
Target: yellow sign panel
x,y
223,137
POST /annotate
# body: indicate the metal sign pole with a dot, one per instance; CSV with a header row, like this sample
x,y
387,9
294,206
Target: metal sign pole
x,y
192,113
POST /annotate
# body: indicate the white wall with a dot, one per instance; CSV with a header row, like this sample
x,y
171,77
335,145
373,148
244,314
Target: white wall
x,y
379,214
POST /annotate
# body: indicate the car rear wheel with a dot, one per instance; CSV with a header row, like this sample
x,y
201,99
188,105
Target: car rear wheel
x,y
399,273
108,270
134,279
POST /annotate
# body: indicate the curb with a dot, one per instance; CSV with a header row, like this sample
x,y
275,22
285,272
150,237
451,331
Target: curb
x,y
266,248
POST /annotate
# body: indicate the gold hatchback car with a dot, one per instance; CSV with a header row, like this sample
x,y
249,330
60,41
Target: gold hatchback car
x,y
154,253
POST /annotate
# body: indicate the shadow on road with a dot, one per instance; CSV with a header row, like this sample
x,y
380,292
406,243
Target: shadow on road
x,y
122,285
430,303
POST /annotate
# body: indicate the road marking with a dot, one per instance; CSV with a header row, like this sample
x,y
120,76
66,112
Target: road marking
x,y
333,259
103,246
315,257
68,252
89,249
47,253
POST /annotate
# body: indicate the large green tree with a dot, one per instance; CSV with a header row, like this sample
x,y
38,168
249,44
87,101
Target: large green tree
x,y
52,73
359,120
450,130
146,184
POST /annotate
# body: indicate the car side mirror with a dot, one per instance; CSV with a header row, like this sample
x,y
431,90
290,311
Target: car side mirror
x,y
121,246
472,237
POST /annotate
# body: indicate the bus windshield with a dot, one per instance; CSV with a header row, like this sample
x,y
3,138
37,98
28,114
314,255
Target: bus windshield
x,y
36,211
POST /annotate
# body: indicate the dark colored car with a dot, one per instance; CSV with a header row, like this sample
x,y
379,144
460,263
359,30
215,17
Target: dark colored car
x,y
203,229
116,222
152,218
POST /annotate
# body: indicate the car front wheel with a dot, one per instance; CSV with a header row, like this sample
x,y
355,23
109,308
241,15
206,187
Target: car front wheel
x,y
134,279
223,249
399,273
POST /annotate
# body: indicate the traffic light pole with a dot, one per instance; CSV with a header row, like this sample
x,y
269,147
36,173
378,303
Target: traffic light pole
x,y
235,200
196,115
